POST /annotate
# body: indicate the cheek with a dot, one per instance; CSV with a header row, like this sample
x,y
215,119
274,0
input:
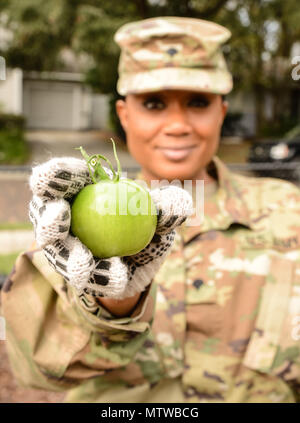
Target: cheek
x,y
140,131
138,140
207,126
141,126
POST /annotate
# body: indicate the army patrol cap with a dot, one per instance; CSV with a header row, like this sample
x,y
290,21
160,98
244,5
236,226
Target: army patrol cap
x,y
172,53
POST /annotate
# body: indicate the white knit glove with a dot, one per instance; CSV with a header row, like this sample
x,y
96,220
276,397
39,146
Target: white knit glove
x,y
53,185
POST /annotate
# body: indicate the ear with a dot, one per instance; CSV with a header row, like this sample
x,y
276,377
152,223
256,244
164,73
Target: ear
x,y
122,112
224,106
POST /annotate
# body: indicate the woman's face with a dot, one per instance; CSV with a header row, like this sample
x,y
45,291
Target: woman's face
x,y
172,134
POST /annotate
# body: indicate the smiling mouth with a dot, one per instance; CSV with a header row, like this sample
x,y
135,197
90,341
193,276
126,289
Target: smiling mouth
x,y
176,153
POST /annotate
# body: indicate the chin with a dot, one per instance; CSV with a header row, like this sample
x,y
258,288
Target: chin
x,y
176,173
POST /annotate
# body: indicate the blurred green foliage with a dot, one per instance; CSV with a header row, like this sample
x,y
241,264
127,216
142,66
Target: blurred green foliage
x,y
279,129
294,132
9,121
14,149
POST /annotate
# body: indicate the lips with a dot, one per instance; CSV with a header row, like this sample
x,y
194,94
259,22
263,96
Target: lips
x,y
176,153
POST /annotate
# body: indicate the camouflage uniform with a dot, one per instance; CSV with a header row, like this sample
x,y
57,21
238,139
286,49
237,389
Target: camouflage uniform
x,y
221,320
220,323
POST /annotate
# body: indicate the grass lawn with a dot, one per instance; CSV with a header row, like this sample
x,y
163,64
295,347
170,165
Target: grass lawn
x,y
7,226
7,260
6,263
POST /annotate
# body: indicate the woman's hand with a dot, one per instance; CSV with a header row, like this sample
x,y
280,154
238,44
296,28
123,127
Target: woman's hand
x,y
53,185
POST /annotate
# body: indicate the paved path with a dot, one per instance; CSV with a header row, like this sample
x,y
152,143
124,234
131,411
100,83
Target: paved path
x,y
14,199
47,144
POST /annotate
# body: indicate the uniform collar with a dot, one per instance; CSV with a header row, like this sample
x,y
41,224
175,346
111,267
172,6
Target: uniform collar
x,y
225,208
232,190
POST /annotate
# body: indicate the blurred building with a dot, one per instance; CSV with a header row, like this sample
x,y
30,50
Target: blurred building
x,y
53,100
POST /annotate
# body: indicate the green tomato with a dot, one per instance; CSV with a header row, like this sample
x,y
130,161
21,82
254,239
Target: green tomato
x,y
114,218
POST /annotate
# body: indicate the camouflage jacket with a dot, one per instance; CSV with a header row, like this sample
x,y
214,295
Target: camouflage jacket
x,y
220,323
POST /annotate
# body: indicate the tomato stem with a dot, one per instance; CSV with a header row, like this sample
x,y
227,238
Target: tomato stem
x,y
97,172
119,171
95,168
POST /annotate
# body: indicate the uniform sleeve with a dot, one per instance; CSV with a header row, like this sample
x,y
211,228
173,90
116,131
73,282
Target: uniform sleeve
x,y
52,341
274,347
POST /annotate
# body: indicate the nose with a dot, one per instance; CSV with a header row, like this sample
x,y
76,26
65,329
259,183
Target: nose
x,y
177,124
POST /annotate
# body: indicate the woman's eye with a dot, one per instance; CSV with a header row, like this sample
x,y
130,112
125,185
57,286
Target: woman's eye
x,y
153,104
199,102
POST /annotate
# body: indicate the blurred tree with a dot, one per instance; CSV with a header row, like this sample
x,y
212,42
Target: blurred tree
x,y
264,32
39,30
263,35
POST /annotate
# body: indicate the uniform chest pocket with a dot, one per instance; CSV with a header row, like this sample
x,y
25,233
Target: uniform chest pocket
x,y
203,313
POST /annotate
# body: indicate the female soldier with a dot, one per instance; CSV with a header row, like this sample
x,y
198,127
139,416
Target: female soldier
x,y
212,316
